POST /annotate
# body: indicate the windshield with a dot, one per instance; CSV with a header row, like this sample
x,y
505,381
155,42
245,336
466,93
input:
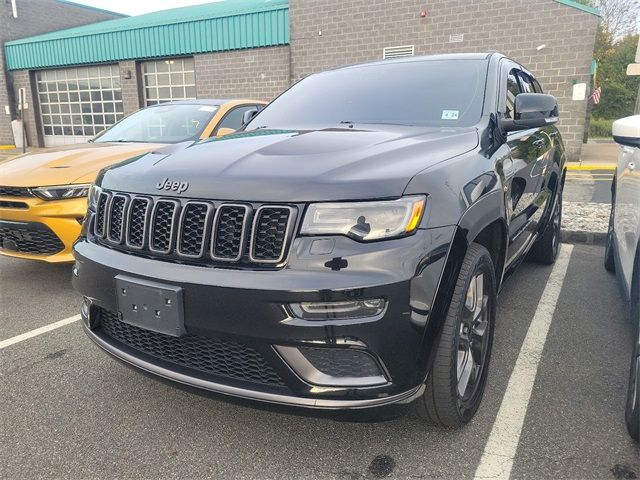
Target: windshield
x,y
433,93
161,124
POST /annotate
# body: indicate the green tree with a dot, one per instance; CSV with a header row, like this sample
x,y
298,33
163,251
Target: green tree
x,y
615,47
618,89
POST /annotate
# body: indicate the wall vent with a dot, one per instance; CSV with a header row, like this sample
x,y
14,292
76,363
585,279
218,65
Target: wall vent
x,y
400,51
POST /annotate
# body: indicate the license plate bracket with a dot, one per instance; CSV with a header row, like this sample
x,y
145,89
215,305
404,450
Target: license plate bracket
x,y
150,305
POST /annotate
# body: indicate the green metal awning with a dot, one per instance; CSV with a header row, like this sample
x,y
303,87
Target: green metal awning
x,y
212,27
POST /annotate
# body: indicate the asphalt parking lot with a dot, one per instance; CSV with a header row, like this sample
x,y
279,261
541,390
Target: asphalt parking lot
x,y
71,411
591,185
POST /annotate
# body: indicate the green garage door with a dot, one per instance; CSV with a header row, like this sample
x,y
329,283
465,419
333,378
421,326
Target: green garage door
x,y
77,103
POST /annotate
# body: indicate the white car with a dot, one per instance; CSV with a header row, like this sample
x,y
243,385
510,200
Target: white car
x,y
622,254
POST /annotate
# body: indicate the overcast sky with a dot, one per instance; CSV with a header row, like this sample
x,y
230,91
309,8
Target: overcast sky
x,y
138,7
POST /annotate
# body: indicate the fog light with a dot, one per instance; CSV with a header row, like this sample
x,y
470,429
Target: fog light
x,y
334,367
85,309
89,313
342,310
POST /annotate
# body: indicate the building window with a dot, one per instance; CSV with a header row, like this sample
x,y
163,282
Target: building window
x,y
77,103
168,80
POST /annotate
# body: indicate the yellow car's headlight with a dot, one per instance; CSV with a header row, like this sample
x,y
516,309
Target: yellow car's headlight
x,y
365,221
61,192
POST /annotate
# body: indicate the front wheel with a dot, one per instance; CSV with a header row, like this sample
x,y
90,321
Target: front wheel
x,y
456,383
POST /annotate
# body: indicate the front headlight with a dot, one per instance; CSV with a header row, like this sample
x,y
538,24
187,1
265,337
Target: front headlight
x,y
365,220
61,192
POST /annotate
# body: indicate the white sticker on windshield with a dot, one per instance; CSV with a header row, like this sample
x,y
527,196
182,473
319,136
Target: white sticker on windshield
x,y
450,114
207,109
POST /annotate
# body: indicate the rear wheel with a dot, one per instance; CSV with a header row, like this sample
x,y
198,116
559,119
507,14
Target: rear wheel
x,y
456,383
546,248
609,252
632,412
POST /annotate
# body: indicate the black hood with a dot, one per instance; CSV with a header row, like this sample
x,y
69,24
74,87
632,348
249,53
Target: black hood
x,y
293,166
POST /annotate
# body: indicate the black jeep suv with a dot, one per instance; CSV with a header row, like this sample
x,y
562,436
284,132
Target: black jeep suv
x,y
344,250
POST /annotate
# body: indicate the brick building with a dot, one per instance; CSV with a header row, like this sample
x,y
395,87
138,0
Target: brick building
x,y
22,18
83,79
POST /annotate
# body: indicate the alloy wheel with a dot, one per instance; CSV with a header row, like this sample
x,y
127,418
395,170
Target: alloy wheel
x,y
473,338
557,221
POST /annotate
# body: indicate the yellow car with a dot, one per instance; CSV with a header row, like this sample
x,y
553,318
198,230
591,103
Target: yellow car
x,y
43,195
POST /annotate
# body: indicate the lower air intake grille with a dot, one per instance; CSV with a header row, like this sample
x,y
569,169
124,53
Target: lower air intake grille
x,y
29,238
341,362
208,355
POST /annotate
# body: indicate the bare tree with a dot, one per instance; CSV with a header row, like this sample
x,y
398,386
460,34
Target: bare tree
x,y
619,17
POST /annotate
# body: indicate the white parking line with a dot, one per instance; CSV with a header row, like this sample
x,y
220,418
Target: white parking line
x,y
500,450
37,331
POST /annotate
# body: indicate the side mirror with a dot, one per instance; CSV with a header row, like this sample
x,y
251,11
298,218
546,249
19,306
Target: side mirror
x,y
248,115
626,131
224,131
532,110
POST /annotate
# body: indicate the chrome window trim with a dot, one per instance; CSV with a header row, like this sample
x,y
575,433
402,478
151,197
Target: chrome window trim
x,y
147,218
173,225
124,217
287,232
207,217
243,234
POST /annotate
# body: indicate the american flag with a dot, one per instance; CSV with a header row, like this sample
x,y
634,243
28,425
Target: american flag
x,y
595,96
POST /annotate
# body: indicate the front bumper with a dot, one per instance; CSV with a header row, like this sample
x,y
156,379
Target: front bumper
x,y
61,219
249,308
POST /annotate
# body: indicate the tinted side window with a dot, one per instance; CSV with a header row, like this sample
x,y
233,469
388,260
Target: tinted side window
x,y
513,90
233,119
537,86
526,83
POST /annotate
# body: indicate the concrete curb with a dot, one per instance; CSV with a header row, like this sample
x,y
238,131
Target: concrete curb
x,y
583,237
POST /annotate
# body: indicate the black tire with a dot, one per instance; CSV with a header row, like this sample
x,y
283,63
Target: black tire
x,y
546,248
632,410
442,403
609,249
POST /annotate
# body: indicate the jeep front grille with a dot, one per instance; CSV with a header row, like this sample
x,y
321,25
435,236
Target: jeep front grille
x,y
204,232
